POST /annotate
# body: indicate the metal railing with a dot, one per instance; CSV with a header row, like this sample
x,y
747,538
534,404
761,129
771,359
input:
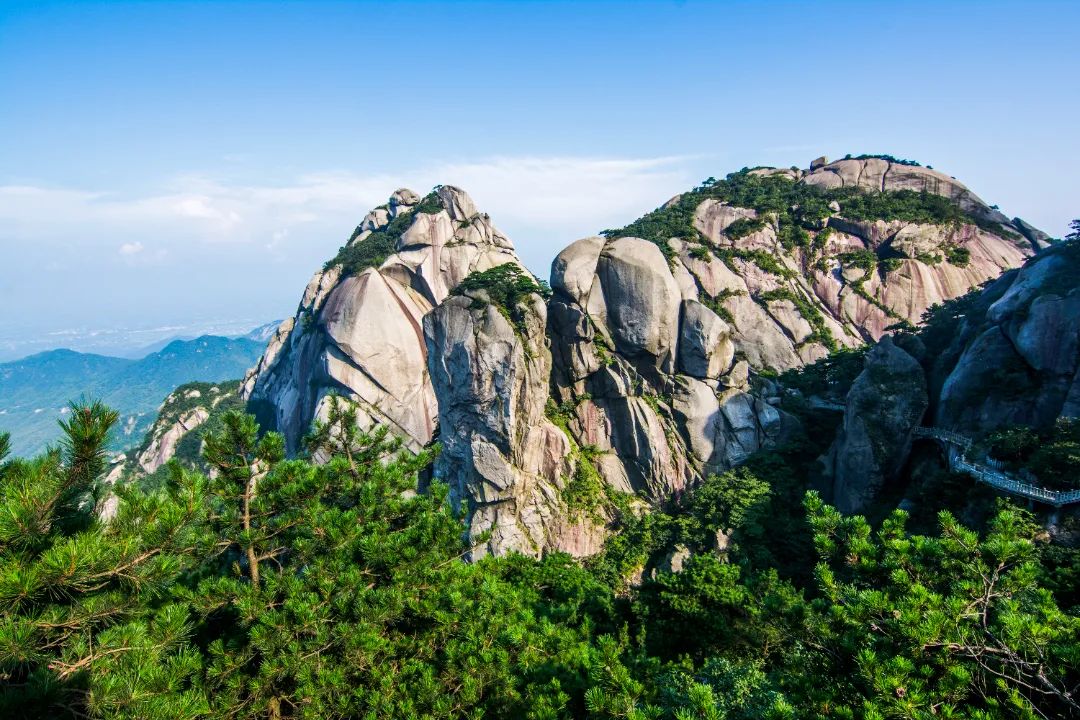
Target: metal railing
x,y
993,477
945,436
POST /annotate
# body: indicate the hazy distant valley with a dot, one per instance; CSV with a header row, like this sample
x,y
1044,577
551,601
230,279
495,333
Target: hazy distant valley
x,y
35,391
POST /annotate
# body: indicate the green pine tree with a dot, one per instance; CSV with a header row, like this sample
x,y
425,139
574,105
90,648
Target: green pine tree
x,y
89,627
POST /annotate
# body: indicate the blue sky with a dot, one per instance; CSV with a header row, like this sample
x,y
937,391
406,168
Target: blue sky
x,y
189,165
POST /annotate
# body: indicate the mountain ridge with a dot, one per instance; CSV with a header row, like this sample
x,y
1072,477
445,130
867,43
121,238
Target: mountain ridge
x,y
35,390
650,365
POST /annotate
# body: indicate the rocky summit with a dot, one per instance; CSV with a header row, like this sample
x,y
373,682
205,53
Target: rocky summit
x,y
647,363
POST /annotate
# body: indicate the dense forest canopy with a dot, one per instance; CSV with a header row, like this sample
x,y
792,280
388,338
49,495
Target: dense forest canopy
x,y
277,587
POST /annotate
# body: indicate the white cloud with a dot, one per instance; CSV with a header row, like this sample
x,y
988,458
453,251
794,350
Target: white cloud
x,y
542,203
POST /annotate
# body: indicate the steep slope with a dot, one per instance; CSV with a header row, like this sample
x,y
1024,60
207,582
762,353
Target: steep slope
x,y
883,407
1006,358
365,330
358,330
645,374
1016,357
263,333
35,391
647,368
186,414
183,419
503,458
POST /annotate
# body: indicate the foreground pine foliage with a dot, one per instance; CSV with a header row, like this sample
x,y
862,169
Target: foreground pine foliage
x,y
279,588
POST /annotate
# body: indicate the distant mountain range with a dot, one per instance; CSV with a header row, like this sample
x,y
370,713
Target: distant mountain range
x,y
35,391
21,339
260,334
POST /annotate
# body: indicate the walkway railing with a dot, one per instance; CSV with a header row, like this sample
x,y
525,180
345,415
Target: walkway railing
x,y
990,476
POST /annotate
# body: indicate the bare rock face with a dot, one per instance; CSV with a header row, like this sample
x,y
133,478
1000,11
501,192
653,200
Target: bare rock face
x,y
644,369
649,368
163,444
636,300
502,458
705,346
1016,357
359,330
884,406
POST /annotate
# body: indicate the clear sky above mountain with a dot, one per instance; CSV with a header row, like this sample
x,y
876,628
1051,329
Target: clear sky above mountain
x,y
185,164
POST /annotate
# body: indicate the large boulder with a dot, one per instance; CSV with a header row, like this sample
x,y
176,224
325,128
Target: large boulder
x,y
574,269
705,346
640,301
884,406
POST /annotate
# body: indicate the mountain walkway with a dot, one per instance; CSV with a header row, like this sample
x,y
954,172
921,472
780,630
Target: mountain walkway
x,y
956,448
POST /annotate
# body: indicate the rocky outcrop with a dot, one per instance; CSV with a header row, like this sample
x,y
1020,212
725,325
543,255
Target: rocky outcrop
x,y
649,369
1016,357
358,330
846,280
876,174
163,444
884,406
185,410
184,417
643,369
502,458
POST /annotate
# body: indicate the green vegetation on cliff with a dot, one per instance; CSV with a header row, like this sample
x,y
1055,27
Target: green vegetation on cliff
x,y
218,399
505,287
796,208
355,256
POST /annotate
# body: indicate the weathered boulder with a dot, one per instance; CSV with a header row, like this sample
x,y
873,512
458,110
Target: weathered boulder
x,y
640,301
401,200
884,406
574,269
713,217
705,346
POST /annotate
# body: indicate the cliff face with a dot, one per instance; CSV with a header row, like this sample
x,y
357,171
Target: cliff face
x,y
648,371
1008,355
358,330
640,373
884,406
1016,357
504,460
